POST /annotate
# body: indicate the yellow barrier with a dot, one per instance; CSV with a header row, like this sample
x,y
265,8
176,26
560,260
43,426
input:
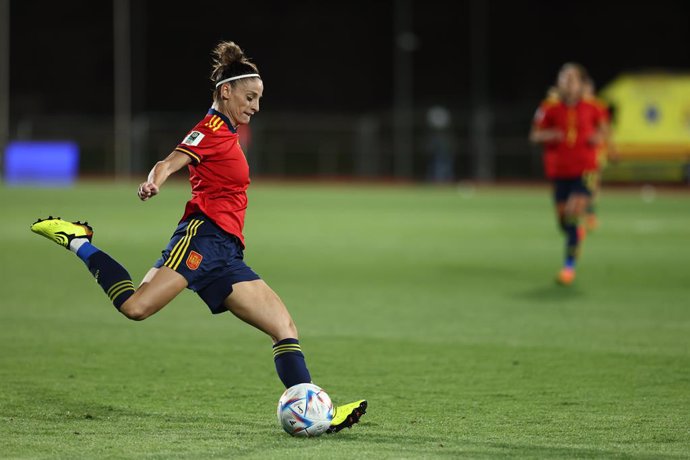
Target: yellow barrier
x,y
650,127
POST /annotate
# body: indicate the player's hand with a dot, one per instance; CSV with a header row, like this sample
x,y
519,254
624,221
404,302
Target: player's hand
x,y
557,135
596,139
147,190
552,135
613,156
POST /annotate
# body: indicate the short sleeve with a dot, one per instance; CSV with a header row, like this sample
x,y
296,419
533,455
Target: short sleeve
x,y
603,112
200,143
543,116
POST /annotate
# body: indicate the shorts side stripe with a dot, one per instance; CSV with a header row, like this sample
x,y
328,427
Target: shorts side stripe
x,y
182,245
178,250
189,240
177,246
175,253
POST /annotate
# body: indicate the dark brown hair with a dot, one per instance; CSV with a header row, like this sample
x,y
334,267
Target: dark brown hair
x,y
582,72
229,61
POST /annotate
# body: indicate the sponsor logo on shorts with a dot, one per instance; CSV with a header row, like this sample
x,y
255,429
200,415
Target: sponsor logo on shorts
x,y
193,138
194,260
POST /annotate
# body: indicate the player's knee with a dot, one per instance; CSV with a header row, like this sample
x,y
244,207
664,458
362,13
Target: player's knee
x,y
134,310
286,329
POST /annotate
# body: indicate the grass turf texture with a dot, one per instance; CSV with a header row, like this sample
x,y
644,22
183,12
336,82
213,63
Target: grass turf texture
x,y
436,304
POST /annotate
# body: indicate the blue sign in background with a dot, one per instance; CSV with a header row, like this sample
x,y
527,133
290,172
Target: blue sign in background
x,y
41,163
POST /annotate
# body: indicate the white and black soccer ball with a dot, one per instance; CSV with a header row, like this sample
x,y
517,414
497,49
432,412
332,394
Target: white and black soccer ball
x,y
305,410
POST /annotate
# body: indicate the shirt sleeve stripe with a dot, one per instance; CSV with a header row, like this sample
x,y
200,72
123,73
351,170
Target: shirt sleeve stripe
x,y
192,155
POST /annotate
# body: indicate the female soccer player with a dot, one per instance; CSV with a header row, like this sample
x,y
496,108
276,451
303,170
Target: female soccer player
x,y
205,253
570,128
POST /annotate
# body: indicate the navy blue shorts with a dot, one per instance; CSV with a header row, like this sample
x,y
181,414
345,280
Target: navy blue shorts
x,y
210,259
564,188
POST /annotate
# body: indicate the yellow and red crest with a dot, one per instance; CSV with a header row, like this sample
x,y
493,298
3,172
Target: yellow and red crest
x,y
194,260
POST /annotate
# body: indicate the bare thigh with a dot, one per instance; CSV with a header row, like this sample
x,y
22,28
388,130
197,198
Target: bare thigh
x,y
157,289
255,303
576,205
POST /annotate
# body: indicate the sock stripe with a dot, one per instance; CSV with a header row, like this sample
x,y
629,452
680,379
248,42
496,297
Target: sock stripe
x,y
290,363
181,247
126,287
286,346
122,291
286,349
283,345
118,285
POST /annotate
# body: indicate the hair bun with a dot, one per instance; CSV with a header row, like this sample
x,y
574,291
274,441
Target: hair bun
x,y
226,53
229,60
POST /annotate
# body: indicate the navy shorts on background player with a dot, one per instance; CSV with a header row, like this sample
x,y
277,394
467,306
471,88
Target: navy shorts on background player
x,y
563,188
210,259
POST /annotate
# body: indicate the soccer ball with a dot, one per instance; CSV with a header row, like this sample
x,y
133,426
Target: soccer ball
x,y
305,410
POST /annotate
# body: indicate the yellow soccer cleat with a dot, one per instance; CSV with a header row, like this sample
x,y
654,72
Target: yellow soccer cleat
x,y
347,415
61,231
566,276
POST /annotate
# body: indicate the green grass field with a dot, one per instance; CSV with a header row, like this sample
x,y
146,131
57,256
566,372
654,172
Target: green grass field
x,y
436,304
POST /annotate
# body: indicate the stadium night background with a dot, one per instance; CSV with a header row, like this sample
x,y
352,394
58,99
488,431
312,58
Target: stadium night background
x,y
396,206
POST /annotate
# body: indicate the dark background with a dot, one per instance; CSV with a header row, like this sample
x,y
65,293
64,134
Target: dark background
x,y
330,56
329,70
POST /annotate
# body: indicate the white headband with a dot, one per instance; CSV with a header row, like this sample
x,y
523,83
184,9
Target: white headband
x,y
247,75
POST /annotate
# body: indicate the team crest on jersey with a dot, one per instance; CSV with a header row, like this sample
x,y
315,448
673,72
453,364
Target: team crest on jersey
x,y
194,260
193,138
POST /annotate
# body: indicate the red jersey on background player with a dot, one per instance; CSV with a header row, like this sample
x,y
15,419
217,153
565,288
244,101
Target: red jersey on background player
x,y
569,128
574,152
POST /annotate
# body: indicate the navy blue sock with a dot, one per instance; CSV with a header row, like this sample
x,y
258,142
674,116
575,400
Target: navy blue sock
x,y
112,277
572,244
290,364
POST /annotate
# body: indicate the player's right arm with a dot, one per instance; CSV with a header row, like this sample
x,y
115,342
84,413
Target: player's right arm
x,y
545,135
543,129
160,173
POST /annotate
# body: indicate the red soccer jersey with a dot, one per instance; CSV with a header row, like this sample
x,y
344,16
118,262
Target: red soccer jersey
x,y
574,154
218,173
602,107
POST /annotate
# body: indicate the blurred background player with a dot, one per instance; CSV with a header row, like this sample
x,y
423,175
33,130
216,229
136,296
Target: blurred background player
x,y
440,145
602,151
569,128
205,253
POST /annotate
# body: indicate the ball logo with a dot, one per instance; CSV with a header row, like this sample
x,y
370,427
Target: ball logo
x,y
194,260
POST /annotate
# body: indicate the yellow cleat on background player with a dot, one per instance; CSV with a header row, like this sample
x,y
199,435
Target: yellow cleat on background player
x,y
62,231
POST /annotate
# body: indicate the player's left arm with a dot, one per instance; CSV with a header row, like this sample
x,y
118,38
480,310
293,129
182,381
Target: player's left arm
x,y
602,133
160,173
